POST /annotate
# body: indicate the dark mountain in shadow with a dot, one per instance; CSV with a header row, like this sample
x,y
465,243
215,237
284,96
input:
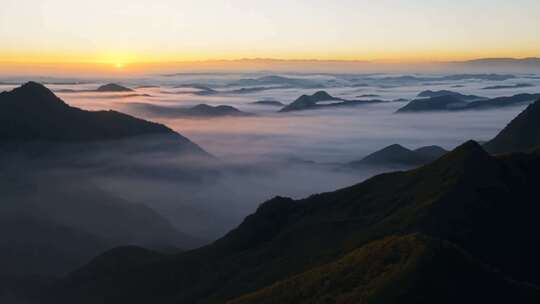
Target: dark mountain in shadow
x,y
505,101
198,111
50,157
398,269
513,86
431,94
73,201
250,90
461,199
520,135
397,155
439,103
113,87
309,101
316,101
456,103
268,103
369,96
33,113
38,247
432,152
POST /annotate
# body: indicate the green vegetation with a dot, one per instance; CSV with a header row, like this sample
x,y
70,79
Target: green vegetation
x,y
407,269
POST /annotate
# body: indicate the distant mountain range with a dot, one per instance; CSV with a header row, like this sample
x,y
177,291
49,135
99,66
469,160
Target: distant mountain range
x,y
453,101
268,103
429,235
431,94
275,80
316,101
197,111
512,86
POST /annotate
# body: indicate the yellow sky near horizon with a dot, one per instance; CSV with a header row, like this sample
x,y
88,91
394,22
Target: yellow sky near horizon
x,y
121,33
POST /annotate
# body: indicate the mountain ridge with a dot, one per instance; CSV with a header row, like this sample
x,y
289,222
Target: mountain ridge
x,y
467,187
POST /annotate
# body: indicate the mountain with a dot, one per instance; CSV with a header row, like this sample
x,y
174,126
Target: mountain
x,y
52,157
398,155
432,152
520,135
460,199
268,103
276,80
457,103
32,113
512,86
198,111
73,201
504,101
431,94
309,101
519,65
397,269
37,247
315,101
438,103
113,87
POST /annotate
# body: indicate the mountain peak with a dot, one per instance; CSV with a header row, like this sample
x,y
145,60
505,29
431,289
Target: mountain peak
x,y
322,95
113,87
32,112
32,95
468,157
469,149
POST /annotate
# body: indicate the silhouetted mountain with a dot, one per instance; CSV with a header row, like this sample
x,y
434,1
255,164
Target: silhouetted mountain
x,y
432,152
441,93
369,96
268,103
32,112
113,87
520,135
315,101
49,152
461,199
439,103
198,111
398,155
455,103
38,247
309,101
202,90
513,86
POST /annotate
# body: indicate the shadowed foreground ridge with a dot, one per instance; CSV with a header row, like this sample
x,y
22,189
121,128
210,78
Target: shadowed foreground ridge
x,y
521,134
406,269
461,199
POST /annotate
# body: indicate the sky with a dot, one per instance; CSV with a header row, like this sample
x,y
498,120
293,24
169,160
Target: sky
x,y
122,32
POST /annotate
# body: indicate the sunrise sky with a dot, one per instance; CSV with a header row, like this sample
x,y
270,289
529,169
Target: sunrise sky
x,y
123,32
